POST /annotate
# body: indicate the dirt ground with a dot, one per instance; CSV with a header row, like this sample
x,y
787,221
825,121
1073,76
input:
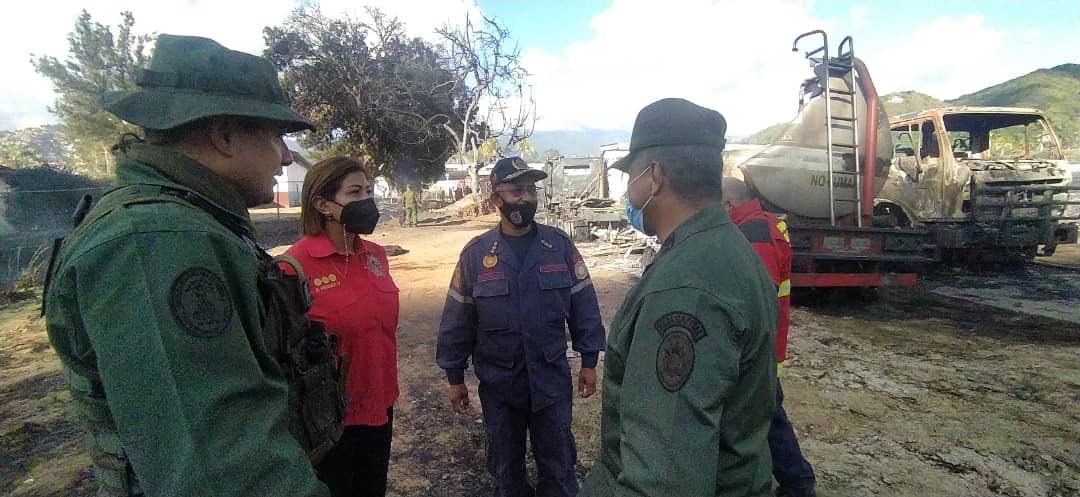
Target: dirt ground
x,y
911,393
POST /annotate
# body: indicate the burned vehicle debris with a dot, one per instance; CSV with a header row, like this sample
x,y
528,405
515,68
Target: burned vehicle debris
x,y
989,182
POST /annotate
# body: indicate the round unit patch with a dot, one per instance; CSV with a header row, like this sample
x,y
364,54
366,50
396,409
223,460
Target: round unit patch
x,y
200,303
674,360
580,270
374,266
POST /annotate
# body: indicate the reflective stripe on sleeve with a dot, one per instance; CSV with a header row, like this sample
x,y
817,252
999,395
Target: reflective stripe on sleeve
x,y
782,228
459,297
785,288
581,285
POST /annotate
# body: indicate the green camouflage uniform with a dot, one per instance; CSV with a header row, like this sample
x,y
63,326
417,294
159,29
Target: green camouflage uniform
x,y
155,312
411,199
690,372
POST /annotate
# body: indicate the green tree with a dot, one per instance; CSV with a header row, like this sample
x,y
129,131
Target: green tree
x,y
18,155
373,93
98,61
489,151
526,150
550,153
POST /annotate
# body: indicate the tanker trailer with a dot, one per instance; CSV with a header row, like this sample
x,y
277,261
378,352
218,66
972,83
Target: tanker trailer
x,y
822,175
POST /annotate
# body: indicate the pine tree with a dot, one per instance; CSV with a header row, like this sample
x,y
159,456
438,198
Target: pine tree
x,y
98,61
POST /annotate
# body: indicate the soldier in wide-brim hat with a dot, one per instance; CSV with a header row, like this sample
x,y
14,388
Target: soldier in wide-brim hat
x,y
155,305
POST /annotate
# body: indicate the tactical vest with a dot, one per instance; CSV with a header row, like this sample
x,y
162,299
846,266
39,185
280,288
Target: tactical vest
x,y
303,349
306,354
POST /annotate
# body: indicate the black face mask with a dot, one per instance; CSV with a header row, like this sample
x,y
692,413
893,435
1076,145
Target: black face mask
x,y
520,214
360,217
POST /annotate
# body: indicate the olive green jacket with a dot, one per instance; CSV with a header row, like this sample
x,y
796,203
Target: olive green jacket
x,y
690,372
154,310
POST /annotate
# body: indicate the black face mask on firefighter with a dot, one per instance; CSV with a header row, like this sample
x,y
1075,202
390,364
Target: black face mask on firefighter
x,y
519,214
360,217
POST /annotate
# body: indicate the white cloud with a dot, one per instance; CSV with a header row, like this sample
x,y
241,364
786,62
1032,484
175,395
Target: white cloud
x,y
41,28
858,14
732,56
949,57
944,58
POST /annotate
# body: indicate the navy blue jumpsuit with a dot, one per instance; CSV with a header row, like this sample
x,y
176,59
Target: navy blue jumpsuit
x,y
511,317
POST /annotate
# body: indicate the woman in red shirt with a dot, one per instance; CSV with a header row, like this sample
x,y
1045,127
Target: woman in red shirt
x,y
355,297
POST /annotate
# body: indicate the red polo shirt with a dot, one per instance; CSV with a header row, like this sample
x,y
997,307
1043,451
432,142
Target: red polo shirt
x,y
357,300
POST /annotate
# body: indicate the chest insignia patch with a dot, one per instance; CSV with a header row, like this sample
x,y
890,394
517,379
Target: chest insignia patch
x,y
492,258
200,303
374,266
326,282
675,355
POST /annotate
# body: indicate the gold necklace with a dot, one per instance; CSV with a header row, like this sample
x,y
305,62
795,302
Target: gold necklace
x,y
339,272
345,238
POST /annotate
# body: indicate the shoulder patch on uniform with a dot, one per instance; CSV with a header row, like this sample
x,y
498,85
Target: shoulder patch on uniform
x,y
675,355
472,242
756,230
581,271
455,280
200,303
561,233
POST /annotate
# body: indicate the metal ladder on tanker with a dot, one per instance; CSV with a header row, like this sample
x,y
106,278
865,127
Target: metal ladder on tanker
x,y
842,66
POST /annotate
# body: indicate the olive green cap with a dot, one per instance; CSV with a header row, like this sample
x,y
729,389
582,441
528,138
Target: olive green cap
x,y
674,121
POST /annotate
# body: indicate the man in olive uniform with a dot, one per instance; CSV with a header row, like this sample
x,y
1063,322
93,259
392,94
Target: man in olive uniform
x,y
411,199
689,370
154,307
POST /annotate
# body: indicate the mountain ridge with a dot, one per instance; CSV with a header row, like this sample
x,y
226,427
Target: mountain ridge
x,y
1054,90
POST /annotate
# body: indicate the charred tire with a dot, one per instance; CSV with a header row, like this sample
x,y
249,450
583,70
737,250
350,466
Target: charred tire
x,y
890,216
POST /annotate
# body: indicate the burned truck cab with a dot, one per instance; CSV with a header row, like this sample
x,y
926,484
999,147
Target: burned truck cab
x,y
990,182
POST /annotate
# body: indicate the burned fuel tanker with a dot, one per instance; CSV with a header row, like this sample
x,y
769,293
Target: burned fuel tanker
x,y
822,176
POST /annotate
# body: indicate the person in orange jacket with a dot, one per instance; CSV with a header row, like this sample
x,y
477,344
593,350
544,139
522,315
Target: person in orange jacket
x,y
769,237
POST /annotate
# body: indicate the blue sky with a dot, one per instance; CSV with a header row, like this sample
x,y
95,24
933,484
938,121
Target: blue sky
x,y
536,25
595,63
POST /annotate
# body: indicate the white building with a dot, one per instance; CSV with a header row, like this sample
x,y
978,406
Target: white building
x,y
616,179
291,181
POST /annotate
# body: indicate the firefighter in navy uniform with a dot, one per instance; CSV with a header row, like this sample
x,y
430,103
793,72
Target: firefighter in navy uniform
x,y
769,237
512,295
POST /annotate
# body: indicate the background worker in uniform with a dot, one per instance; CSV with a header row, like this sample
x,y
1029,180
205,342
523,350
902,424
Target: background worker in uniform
x,y
689,371
514,291
354,295
411,202
155,308
769,237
